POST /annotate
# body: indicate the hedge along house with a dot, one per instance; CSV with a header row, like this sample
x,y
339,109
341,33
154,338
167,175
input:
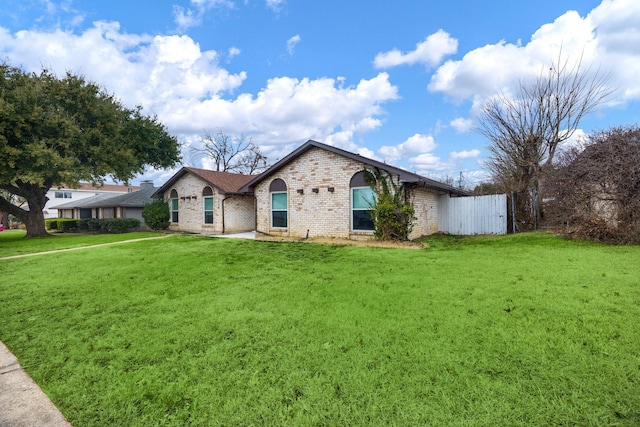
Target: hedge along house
x,y
209,202
320,190
127,205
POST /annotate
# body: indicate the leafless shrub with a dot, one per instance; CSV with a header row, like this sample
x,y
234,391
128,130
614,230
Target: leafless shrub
x,y
596,192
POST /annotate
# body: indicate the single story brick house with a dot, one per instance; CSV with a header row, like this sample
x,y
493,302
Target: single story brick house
x,y
320,190
206,201
110,205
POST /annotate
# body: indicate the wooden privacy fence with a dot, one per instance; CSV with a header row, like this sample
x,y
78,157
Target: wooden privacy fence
x,y
473,215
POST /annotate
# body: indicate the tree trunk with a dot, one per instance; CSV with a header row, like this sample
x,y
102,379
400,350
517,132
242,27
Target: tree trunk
x,y
34,221
33,218
4,219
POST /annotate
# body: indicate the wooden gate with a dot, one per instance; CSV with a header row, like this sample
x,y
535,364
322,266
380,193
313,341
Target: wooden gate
x,y
473,215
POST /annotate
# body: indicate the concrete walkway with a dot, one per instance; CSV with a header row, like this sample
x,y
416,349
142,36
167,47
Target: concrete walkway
x,y
80,248
22,402
251,235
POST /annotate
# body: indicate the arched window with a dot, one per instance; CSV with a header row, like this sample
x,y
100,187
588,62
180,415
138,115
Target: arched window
x,y
174,206
363,199
279,204
207,197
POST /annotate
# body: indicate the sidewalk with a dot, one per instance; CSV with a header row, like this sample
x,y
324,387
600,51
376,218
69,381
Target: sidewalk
x,y
22,403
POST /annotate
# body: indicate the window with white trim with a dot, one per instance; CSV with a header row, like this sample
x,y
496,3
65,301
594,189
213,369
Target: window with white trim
x,y
279,204
173,198
207,197
363,199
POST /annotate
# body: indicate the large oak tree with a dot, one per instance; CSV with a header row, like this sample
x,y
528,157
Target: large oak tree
x,y
56,131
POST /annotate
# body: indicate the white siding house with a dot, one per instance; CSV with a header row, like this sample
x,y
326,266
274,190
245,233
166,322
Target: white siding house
x,y
66,194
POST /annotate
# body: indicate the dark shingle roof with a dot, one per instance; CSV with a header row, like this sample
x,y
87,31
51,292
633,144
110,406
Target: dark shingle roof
x,y
225,182
135,199
405,176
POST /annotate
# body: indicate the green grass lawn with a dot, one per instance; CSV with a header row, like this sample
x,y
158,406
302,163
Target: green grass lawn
x,y
512,330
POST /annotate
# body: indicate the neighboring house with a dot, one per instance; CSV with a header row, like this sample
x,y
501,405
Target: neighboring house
x,y
64,195
206,201
320,190
128,205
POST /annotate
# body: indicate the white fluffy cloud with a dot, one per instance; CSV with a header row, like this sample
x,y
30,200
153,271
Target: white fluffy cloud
x,y
450,170
415,145
187,88
140,69
462,125
428,52
233,51
419,150
428,163
290,109
607,35
464,154
578,139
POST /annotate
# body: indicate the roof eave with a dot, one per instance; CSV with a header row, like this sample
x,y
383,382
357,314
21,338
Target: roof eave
x,y
247,188
404,175
170,182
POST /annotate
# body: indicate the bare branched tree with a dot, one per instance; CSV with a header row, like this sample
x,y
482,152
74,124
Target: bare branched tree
x,y
235,154
526,129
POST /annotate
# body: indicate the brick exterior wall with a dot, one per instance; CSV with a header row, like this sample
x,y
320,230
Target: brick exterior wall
x,y
239,214
325,213
238,210
425,204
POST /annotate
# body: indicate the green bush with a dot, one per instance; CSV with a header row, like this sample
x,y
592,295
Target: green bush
x,y
104,225
95,225
393,220
392,212
156,214
120,225
51,224
67,224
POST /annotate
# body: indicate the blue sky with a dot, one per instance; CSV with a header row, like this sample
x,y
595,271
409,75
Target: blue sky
x,y
396,81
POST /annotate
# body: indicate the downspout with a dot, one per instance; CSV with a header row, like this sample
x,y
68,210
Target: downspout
x,y
255,213
227,197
